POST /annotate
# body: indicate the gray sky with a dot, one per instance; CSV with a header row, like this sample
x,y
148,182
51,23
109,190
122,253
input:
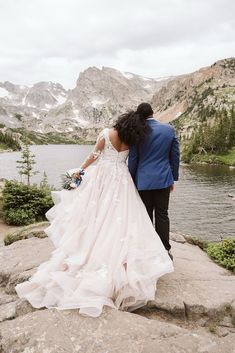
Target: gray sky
x,y
54,40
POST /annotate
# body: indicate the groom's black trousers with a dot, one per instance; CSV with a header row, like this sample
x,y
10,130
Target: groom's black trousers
x,y
158,200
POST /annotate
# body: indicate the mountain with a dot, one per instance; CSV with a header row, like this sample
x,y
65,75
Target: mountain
x,y
21,104
194,103
99,97
191,99
200,105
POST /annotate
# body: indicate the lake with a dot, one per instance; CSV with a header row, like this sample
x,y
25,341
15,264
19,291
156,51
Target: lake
x,y
200,205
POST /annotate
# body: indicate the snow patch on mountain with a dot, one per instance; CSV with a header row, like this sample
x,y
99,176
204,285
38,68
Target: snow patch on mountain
x,y
81,121
146,78
61,98
178,114
128,75
163,78
3,93
97,101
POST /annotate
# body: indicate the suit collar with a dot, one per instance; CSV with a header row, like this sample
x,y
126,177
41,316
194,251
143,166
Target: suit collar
x,y
152,119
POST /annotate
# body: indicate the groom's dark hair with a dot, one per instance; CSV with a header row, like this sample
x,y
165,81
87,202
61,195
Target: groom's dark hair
x,y
145,110
132,127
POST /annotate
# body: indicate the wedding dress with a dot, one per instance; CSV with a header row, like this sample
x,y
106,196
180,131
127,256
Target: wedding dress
x,y
106,249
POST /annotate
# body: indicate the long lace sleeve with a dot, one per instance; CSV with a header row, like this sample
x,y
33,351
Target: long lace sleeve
x,y
96,152
93,156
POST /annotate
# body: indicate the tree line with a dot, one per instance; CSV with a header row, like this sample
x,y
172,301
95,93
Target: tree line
x,y
8,140
214,136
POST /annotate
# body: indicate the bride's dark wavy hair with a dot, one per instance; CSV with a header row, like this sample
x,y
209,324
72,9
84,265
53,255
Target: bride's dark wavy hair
x,y
132,126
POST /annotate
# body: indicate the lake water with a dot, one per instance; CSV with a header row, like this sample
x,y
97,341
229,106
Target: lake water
x,y
199,206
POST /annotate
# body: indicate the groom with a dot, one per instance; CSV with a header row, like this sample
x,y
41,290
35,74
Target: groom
x,y
154,166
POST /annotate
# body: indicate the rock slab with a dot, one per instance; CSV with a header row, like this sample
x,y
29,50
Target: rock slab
x,y
198,288
52,331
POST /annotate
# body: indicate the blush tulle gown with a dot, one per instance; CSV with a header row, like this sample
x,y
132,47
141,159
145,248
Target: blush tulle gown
x,y
106,249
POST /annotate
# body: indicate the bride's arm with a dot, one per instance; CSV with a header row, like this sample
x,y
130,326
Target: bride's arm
x,y
96,152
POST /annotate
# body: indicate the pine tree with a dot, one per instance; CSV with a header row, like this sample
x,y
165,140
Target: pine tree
x,y
44,182
27,162
232,128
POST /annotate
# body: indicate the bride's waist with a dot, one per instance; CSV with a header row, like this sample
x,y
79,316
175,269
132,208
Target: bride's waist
x,y
118,162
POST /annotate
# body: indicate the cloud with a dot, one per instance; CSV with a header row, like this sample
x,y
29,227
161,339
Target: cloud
x,y
55,40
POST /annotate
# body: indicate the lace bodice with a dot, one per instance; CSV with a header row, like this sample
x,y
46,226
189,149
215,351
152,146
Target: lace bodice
x,y
109,153
103,152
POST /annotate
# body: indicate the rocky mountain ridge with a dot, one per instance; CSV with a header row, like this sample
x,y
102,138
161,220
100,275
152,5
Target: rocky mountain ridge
x,y
191,99
99,97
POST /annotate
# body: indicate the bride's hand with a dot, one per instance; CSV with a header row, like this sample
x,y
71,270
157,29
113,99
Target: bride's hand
x,y
76,175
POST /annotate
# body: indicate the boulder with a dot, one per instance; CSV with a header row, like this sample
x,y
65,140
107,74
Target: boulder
x,y
179,238
22,256
197,288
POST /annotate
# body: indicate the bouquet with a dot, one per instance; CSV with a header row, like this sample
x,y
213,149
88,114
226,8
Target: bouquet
x,y
69,182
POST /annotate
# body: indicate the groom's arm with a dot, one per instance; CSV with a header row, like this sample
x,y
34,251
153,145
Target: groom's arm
x,y
133,161
175,157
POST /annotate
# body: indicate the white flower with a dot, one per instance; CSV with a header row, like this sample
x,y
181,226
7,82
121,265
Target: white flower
x,y
102,271
123,239
119,220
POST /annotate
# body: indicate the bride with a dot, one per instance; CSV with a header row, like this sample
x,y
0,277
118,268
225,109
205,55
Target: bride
x,y
106,249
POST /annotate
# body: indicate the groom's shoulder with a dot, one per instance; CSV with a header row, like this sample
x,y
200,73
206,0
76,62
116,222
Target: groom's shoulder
x,y
163,126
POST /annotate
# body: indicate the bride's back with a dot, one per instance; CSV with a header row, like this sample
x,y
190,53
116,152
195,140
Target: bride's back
x,y
116,142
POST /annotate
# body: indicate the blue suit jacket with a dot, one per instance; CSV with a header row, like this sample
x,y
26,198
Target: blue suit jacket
x,y
154,163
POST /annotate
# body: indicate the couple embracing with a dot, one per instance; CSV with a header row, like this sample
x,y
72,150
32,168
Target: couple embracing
x,y
107,250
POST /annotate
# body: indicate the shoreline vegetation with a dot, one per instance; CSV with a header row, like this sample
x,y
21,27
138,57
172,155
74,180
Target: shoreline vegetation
x,y
211,139
227,158
12,139
20,202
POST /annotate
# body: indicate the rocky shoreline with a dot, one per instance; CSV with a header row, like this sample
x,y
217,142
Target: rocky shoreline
x,y
7,150
194,310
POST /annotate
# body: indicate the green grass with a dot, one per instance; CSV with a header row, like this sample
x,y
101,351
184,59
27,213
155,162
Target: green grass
x,y
213,328
223,253
227,158
3,146
32,230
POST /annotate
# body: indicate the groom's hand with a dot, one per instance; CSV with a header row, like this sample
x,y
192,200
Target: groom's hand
x,y
172,188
